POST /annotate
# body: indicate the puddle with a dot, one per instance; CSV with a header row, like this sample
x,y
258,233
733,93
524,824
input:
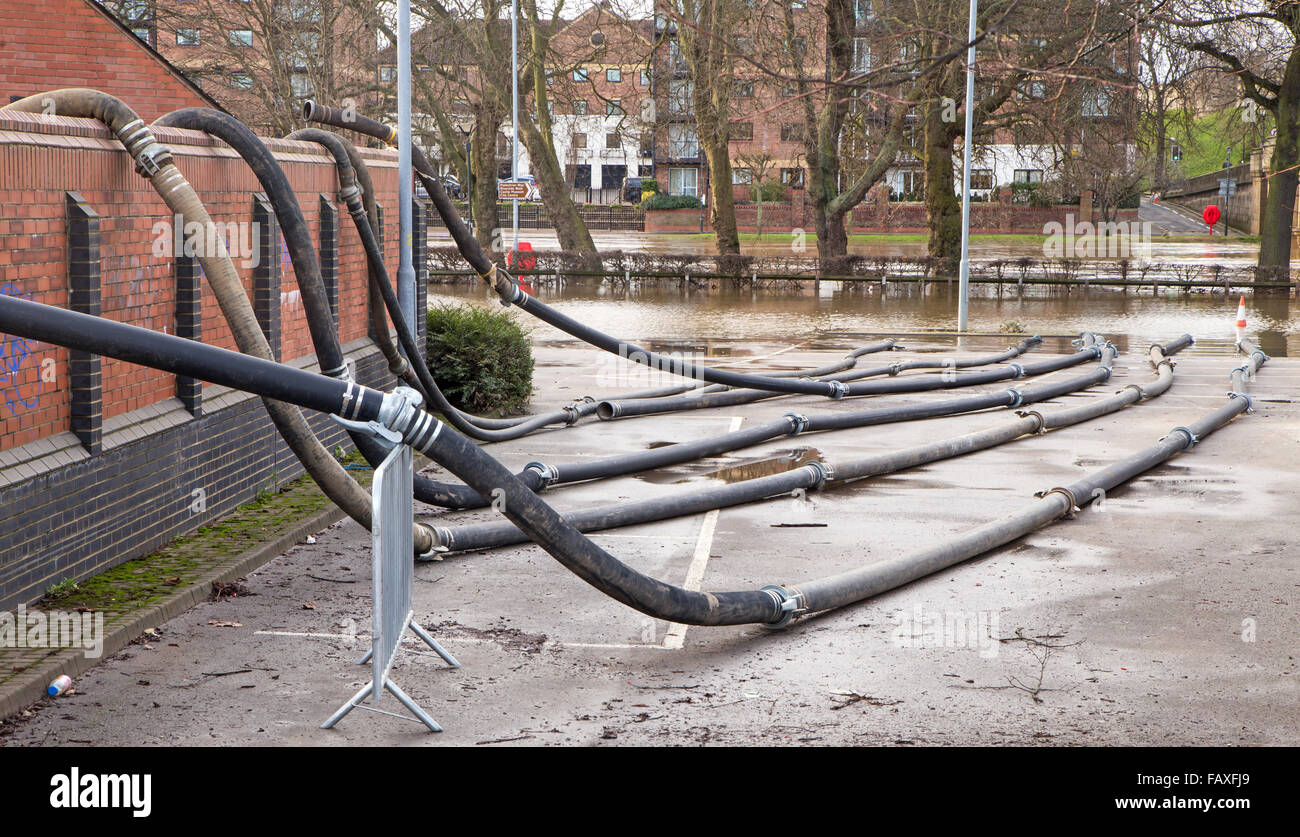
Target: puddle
x,y
786,460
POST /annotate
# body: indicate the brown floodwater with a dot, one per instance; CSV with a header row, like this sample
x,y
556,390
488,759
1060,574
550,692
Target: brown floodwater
x,y
837,314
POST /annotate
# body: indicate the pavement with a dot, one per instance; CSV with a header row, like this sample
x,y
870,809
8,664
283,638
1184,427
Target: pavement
x,y
1166,614
1170,218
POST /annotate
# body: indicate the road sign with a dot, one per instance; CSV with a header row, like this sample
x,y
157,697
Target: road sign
x,y
1228,186
512,190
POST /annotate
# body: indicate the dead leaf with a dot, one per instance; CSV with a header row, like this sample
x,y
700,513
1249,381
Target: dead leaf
x,y
309,606
218,623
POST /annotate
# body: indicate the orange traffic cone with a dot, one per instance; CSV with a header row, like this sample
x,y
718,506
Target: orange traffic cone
x,y
1241,313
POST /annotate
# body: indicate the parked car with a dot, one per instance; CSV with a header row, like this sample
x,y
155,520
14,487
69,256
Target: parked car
x,y
452,186
631,190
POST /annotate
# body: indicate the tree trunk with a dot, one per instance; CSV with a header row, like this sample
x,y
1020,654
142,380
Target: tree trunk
x,y
722,208
483,148
1279,205
942,208
570,229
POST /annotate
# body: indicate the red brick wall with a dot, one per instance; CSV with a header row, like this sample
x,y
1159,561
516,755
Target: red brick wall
x,y
48,44
43,157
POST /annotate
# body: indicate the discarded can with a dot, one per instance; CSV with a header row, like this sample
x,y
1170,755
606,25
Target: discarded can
x,y
60,685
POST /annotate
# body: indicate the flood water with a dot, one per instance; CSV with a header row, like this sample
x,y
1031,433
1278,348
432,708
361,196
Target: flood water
x,y
837,313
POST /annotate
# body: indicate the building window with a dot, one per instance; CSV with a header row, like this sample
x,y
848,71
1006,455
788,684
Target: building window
x,y
142,34
745,89
611,175
241,81
579,107
799,45
645,78
613,140
981,179
579,140
1028,176
300,85
679,96
1031,90
742,132
387,73
614,107
187,37
861,55
792,132
241,37
682,181
792,178
789,91
743,177
613,74
579,74
683,143
1096,103
582,176
862,10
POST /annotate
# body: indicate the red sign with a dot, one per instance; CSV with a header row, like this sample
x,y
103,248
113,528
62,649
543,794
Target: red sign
x,y
1211,216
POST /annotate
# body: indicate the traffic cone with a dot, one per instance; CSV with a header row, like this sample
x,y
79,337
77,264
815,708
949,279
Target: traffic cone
x,y
1241,317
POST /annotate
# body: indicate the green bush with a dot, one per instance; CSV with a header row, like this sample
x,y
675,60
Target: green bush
x,y
481,359
771,191
661,201
649,186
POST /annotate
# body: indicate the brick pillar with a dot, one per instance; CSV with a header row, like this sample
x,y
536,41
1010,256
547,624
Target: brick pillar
x,y
189,324
266,275
87,406
329,253
420,258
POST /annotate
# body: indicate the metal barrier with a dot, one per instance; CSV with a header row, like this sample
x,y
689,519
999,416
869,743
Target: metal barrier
x,y
393,573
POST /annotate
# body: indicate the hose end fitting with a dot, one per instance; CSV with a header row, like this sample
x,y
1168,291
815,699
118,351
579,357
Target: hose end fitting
x,y
400,367
442,541
895,368
546,473
1250,405
1042,422
1019,370
799,421
839,389
789,604
1072,502
571,414
1019,396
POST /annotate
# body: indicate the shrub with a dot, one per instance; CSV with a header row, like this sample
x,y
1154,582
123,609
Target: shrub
x,y
661,201
649,186
481,359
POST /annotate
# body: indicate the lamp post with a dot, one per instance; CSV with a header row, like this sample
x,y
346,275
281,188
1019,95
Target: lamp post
x,y
405,195
963,303
514,130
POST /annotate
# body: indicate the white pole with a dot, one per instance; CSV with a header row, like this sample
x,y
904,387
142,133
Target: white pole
x,y
963,303
405,267
514,90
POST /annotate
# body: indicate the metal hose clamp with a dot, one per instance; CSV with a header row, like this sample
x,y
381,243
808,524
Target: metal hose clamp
x,y
571,413
1250,405
1042,421
1073,507
895,368
1108,372
1142,394
800,422
839,389
789,604
1020,370
821,472
1191,437
548,474
442,544
1020,397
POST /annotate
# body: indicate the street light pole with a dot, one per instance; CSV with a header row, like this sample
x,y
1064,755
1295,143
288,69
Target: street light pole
x,y
514,91
963,303
405,194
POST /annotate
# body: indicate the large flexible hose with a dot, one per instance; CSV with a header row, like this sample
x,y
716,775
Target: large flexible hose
x,y
306,265
815,475
154,162
772,605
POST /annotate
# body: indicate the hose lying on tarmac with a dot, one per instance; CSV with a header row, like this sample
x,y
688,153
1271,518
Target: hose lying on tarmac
x,y
511,294
155,163
401,418
816,475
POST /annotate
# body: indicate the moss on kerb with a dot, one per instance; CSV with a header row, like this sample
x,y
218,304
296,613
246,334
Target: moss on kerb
x,y
145,581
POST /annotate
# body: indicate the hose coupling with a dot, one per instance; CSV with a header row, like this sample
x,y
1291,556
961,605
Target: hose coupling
x,y
799,421
1018,369
1250,405
350,193
571,414
1042,422
400,367
342,372
546,473
442,540
1191,437
895,368
1096,351
1108,372
839,389
821,472
789,605
1019,396
1072,507
1142,394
